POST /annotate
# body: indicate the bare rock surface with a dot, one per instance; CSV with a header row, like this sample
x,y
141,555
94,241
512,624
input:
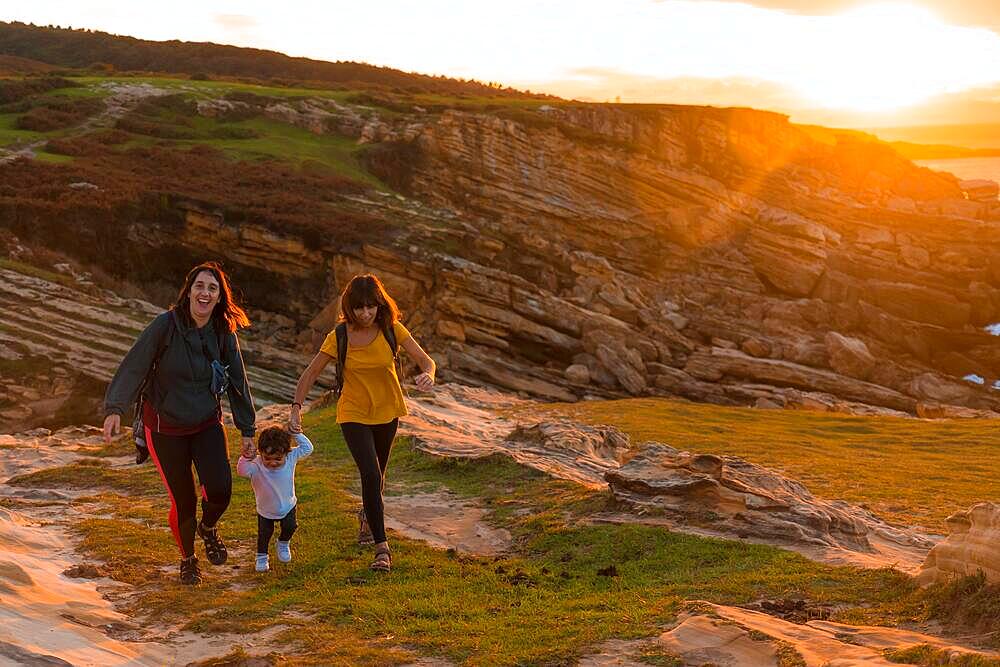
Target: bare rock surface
x,y
459,421
712,634
722,635
698,640
445,521
726,495
703,494
972,545
56,609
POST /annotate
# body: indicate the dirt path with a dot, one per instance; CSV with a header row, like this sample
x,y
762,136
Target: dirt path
x,y
445,521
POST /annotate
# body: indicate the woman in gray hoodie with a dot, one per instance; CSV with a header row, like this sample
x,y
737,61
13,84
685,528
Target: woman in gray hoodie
x,y
182,364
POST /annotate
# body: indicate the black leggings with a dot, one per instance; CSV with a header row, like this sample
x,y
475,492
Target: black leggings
x,y
265,529
173,456
370,445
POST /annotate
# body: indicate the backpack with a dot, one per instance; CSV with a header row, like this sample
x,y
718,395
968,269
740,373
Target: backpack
x,y
390,336
138,429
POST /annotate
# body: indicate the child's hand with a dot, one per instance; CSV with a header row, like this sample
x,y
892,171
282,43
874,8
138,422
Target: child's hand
x,y
424,381
249,450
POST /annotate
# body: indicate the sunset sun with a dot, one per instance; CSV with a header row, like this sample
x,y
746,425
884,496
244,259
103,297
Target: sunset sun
x,y
888,56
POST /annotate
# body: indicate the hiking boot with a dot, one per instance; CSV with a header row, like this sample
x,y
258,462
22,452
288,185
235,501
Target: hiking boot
x,y
190,574
261,564
215,548
284,551
364,530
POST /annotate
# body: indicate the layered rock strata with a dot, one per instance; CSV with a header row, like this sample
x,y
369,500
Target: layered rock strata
x,y
569,251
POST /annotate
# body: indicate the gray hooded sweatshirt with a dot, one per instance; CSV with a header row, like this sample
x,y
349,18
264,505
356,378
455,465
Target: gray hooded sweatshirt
x,y
180,389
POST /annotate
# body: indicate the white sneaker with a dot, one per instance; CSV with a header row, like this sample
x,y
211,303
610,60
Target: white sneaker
x,y
262,565
284,551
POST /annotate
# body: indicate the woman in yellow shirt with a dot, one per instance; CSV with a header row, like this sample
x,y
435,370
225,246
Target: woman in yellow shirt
x,y
371,400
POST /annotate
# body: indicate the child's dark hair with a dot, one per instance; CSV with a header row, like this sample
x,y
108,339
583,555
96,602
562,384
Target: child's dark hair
x,y
274,440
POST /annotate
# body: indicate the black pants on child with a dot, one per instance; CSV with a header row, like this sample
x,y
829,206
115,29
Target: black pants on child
x,y
174,456
370,445
265,529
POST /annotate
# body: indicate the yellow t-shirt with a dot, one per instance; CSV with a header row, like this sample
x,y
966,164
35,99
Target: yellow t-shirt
x,y
371,393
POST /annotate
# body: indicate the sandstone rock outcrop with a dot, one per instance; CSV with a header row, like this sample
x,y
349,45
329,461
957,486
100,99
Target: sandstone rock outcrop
x,y
705,494
972,546
849,356
519,239
707,633
730,496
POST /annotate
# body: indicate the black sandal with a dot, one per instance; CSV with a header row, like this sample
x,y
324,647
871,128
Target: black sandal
x,y
215,548
190,574
383,560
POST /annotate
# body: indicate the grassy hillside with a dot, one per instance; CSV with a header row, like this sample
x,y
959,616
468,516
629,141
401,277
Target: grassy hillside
x,y
909,471
102,51
566,586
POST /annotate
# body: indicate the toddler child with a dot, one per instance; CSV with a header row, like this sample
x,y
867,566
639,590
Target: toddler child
x,y
272,476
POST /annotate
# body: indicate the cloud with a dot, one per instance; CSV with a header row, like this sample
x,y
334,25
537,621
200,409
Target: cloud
x,y
235,22
595,84
978,13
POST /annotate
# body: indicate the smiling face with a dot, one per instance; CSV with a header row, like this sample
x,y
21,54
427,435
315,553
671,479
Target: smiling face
x,y
273,460
365,314
204,296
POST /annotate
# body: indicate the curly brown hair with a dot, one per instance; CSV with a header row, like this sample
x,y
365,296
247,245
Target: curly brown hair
x,y
274,440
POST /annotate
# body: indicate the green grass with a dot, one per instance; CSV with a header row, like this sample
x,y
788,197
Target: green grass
x,y
273,139
92,473
292,144
37,272
212,88
54,158
10,134
909,471
544,603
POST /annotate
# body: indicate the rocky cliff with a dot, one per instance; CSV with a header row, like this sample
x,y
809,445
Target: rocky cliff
x,y
569,251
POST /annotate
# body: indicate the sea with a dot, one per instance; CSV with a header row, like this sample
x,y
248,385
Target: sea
x,y
967,168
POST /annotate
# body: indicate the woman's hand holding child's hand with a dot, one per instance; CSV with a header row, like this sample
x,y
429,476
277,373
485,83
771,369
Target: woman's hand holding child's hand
x,y
294,419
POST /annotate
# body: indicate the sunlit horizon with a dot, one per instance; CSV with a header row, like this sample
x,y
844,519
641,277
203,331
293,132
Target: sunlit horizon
x,y
861,64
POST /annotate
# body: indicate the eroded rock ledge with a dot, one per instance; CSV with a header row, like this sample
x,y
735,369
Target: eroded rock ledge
x,y
704,494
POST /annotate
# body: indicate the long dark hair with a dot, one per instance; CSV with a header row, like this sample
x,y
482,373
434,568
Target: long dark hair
x,y
227,316
363,290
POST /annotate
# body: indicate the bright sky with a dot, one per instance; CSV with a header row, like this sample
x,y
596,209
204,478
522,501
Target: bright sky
x,y
810,58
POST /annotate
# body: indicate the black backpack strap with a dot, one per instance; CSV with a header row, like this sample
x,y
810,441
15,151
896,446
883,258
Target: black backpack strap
x,y
164,343
390,337
341,353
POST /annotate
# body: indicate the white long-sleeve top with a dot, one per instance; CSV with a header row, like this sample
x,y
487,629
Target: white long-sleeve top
x,y
274,488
